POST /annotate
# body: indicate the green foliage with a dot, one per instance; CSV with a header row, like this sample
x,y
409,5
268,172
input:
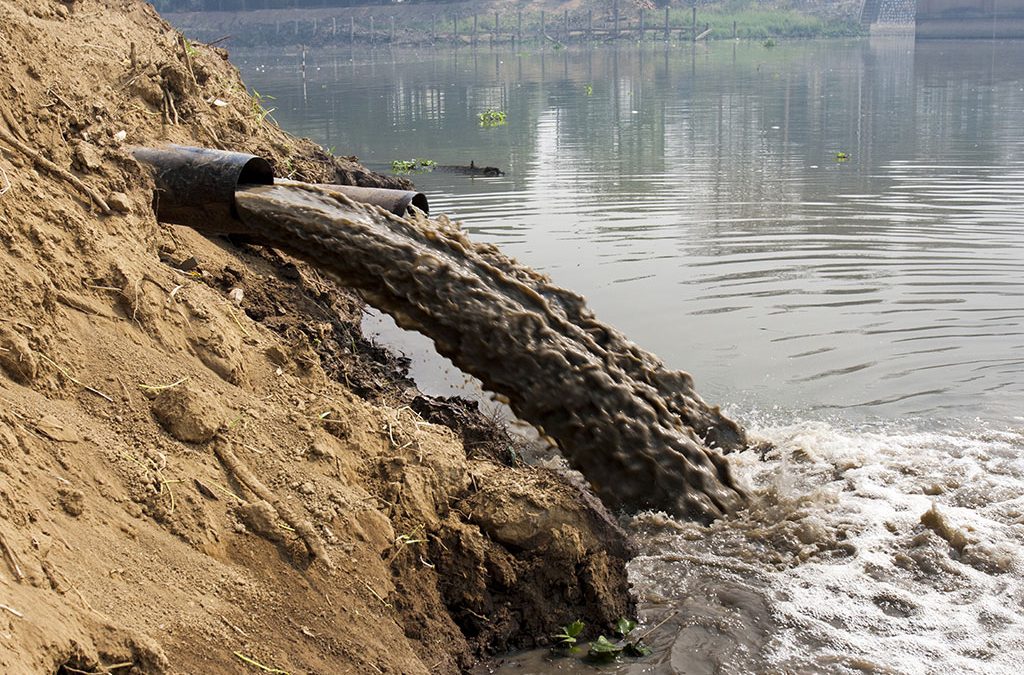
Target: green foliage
x,y
603,650
567,638
768,44
842,156
259,112
413,165
588,89
492,118
754,22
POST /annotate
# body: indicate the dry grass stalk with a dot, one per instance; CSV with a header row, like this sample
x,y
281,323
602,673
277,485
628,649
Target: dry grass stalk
x,y
5,187
257,664
11,559
66,374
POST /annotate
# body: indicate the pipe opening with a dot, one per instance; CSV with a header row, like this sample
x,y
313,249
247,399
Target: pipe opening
x,y
257,171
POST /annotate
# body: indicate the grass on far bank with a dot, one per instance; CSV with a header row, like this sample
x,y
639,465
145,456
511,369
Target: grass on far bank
x,y
759,24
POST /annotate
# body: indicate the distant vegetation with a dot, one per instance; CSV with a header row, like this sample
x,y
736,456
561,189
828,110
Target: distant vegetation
x,y
417,20
243,5
753,23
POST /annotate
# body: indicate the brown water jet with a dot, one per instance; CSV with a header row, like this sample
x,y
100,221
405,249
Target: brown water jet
x,y
638,432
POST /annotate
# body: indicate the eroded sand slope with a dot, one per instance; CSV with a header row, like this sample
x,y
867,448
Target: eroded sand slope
x,y
187,478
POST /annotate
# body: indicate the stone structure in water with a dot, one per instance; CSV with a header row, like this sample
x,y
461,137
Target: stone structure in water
x,y
639,433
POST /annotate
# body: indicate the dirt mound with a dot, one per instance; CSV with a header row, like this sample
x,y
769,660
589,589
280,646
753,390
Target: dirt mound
x,y
203,465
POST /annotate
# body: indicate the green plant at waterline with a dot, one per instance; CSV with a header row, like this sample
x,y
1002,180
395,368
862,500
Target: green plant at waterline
x,y
603,650
413,165
492,118
567,638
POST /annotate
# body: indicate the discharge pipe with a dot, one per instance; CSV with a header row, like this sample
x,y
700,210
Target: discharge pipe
x,y
196,187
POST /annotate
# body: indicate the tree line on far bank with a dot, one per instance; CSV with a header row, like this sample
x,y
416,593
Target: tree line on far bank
x,y
245,5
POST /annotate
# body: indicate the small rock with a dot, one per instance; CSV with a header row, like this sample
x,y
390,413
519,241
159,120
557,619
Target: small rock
x,y
236,294
72,501
120,202
261,518
320,450
54,429
188,413
87,157
205,490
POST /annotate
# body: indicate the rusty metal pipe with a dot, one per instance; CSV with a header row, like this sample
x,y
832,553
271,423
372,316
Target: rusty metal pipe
x,y
196,187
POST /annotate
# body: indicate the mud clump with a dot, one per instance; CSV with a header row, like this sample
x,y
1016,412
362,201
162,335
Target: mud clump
x,y
188,413
16,356
638,432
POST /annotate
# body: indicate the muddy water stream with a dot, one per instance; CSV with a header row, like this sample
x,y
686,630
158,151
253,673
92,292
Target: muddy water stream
x,y
637,431
865,315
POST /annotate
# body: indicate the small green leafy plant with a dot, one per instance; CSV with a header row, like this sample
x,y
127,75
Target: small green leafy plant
x,y
567,638
259,112
588,89
602,649
411,165
492,118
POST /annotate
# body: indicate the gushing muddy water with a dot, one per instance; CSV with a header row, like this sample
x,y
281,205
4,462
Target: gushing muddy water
x,y
639,433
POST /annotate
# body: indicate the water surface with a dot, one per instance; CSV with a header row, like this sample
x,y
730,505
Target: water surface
x,y
862,310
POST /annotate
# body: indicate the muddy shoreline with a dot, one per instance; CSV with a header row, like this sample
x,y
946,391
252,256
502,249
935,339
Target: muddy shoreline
x,y
203,463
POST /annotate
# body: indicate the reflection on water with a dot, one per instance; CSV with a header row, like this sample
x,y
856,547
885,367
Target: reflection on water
x,y
696,199
865,314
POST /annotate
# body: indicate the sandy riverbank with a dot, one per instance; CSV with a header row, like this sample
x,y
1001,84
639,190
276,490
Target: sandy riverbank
x,y
203,464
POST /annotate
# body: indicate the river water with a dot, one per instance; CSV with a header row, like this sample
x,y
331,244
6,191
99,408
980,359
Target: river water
x,y
829,236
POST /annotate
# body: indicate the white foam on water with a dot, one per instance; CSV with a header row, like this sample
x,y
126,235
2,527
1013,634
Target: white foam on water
x,y
850,573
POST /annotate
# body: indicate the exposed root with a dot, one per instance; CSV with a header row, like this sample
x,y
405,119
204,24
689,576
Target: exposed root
x,y
46,164
303,529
